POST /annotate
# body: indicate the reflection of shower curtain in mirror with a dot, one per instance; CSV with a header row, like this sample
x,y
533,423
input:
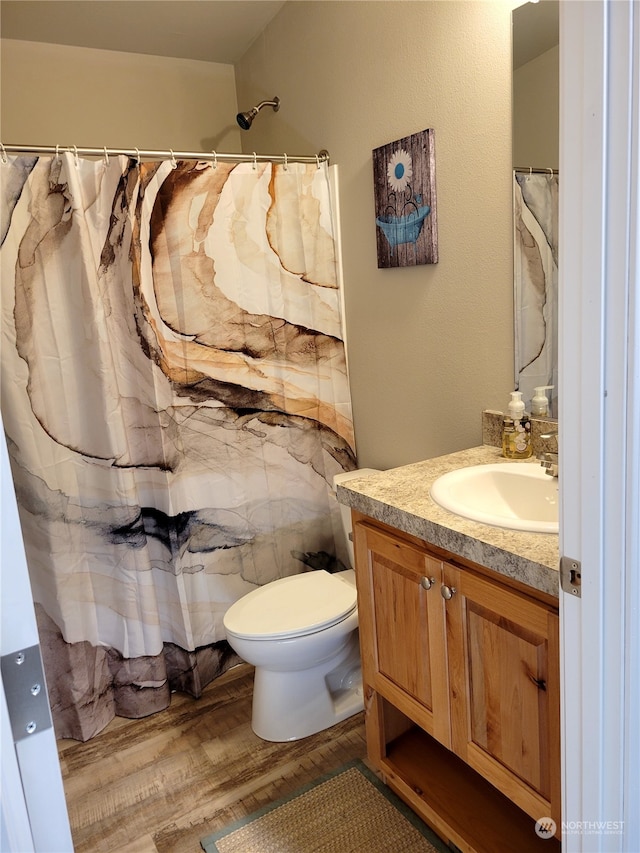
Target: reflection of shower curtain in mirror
x,y
536,282
175,398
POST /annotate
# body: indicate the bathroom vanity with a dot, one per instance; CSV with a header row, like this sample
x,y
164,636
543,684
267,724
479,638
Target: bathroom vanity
x,y
459,639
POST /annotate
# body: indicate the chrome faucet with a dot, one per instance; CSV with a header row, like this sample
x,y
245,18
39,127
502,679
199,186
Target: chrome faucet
x,y
549,460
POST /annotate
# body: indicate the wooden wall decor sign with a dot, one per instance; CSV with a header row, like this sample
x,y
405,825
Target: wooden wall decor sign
x,y
404,179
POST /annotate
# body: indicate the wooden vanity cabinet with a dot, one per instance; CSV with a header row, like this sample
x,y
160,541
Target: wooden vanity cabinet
x,y
403,621
461,678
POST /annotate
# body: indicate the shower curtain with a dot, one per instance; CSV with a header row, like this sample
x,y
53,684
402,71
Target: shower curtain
x,y
175,401
535,206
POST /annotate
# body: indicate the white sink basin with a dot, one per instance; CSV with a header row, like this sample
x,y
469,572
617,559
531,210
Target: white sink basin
x,y
519,496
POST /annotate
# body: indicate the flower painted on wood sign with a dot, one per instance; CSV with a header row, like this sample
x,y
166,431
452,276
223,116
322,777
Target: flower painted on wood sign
x,y
405,198
399,170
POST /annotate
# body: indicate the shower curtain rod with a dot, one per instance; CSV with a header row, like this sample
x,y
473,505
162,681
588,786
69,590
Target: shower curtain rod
x,y
535,171
140,153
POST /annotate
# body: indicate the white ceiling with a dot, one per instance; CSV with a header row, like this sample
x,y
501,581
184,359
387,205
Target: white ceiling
x,y
210,30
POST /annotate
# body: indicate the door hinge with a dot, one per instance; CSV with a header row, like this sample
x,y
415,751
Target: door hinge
x,y
571,576
26,692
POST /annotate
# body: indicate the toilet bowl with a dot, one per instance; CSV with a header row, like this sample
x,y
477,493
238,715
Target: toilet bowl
x,y
301,635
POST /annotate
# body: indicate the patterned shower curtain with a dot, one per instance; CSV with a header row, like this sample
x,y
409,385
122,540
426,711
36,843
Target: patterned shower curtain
x,y
175,401
535,206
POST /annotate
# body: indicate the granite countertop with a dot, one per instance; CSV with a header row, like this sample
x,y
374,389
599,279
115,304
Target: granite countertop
x,y
400,498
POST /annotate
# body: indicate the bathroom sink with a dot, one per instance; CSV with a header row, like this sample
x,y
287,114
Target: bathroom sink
x,y
516,495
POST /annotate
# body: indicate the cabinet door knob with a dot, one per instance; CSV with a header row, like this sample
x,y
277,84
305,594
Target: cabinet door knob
x,y
427,583
447,592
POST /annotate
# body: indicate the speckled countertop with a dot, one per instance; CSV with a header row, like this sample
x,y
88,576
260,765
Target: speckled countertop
x,y
400,498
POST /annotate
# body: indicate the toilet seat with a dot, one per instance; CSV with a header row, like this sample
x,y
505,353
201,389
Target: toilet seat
x,y
292,607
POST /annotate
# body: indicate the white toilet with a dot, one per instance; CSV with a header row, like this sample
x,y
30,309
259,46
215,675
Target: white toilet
x,y
301,634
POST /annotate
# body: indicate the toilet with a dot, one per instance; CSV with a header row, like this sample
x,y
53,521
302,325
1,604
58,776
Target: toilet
x,y
301,635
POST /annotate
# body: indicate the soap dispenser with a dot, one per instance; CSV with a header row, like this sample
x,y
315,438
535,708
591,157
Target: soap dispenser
x,y
516,431
539,403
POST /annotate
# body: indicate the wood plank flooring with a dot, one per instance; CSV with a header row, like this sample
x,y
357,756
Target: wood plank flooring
x,y
160,784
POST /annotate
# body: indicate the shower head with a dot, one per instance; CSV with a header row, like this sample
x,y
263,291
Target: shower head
x,y
245,119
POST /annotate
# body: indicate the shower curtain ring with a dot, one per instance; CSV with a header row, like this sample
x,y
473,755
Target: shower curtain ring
x,y
106,156
214,165
5,159
57,153
137,159
317,162
75,157
174,164
286,164
255,160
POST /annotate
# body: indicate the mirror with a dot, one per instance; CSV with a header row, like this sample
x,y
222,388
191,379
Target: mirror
x,y
536,89
535,197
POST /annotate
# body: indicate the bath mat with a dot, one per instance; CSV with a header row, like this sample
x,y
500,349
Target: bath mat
x,y
348,811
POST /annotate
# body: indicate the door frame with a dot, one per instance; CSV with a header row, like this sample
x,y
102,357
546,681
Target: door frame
x,y
33,807
599,420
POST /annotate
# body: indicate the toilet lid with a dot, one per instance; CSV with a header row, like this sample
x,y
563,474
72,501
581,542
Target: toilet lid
x,y
291,607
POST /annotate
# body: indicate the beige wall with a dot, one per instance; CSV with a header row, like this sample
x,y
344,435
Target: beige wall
x,y
53,94
429,346
536,112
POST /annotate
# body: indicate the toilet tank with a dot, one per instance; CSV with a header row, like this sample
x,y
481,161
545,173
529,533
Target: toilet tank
x,y
345,511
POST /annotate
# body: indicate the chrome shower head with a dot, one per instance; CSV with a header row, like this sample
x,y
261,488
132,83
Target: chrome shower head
x,y
245,119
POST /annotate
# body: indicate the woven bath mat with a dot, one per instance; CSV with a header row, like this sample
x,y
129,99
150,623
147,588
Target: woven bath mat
x,y
350,811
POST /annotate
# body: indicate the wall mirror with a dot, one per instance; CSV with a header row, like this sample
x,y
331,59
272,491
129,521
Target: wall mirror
x,y
535,197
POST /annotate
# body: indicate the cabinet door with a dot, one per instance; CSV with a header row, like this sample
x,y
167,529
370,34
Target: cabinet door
x,y
402,625
504,683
